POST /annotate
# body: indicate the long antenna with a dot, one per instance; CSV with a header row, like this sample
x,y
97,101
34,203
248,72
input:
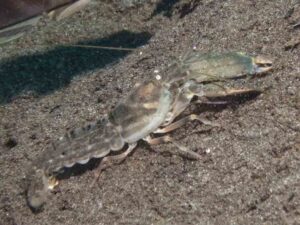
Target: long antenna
x,y
99,47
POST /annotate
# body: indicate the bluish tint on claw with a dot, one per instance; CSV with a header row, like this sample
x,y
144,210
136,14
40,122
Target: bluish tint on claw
x,y
208,67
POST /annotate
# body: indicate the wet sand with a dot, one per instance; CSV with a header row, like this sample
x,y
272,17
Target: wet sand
x,y
250,170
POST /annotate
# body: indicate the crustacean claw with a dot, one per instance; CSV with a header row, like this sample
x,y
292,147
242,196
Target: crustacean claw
x,y
182,150
206,76
262,64
210,67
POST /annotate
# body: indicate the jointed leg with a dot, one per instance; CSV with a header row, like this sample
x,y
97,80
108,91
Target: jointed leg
x,y
203,92
182,101
108,161
183,151
215,90
183,121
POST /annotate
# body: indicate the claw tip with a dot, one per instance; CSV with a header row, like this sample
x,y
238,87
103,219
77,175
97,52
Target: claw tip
x,y
262,64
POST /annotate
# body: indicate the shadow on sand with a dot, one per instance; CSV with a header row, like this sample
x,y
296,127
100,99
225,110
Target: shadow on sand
x,y
42,73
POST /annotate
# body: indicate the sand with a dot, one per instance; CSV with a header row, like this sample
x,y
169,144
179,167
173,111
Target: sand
x,y
250,170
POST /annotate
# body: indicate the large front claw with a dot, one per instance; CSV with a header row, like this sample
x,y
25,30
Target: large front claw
x,y
210,67
217,67
261,64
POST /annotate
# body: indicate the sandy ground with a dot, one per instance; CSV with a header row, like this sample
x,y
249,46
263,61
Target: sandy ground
x,y
250,170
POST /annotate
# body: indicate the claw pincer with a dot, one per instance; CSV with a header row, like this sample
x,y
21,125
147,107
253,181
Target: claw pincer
x,y
210,67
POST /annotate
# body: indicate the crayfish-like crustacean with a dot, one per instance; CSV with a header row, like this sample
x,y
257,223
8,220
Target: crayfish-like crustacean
x,y
150,108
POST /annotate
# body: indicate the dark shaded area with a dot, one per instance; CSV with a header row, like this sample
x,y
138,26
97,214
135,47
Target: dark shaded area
x,y
11,142
188,8
78,169
42,73
165,7
237,98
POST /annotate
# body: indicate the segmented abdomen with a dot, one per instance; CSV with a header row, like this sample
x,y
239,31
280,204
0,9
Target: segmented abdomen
x,y
94,140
